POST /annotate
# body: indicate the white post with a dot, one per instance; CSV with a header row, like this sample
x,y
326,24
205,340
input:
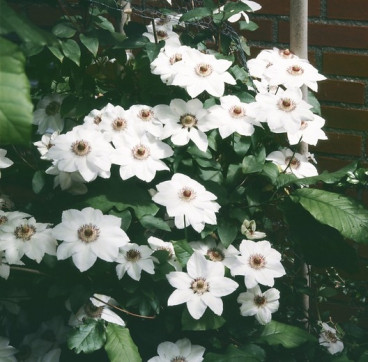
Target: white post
x,y
299,46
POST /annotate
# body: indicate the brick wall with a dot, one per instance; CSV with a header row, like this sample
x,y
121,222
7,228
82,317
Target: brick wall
x,y
338,47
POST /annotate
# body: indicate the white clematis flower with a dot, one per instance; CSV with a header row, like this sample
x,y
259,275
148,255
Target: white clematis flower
x,y
4,161
158,244
230,117
261,305
180,351
259,263
202,286
47,114
134,258
88,235
84,150
292,162
184,121
145,120
203,72
141,157
329,339
187,201
45,144
26,237
98,307
7,352
160,33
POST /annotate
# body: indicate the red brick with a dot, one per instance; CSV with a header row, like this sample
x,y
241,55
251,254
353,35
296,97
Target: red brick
x,y
341,91
282,7
330,164
263,33
340,144
355,65
353,9
346,118
334,35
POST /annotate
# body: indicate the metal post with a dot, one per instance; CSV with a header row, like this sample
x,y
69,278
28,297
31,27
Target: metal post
x,y
299,46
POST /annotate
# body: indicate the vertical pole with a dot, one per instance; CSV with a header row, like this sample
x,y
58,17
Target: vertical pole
x,y
299,46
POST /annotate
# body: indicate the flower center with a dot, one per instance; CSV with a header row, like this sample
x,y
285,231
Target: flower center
x,y
257,261
3,220
215,254
203,70
81,148
286,53
162,34
331,336
178,359
237,112
97,120
176,58
145,114
188,120
119,124
133,255
286,104
93,311
88,233
295,70
187,194
52,108
200,286
141,152
169,251
163,20
24,232
293,162
259,300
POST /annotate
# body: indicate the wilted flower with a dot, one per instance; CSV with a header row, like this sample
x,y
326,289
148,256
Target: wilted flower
x,y
187,201
180,351
98,307
329,339
47,114
261,305
202,286
248,229
4,161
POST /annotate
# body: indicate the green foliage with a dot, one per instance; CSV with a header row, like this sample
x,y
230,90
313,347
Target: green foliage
x,y
275,333
88,337
15,104
250,352
340,212
208,321
119,344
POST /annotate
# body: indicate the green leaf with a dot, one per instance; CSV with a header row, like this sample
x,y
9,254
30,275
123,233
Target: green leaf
x,y
321,245
227,231
103,23
13,22
183,251
251,164
241,144
340,212
153,49
239,73
209,4
151,222
326,177
208,321
71,50
88,337
90,43
125,216
63,30
196,14
248,353
38,181
56,51
251,25
271,171
15,104
275,333
313,101
119,345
